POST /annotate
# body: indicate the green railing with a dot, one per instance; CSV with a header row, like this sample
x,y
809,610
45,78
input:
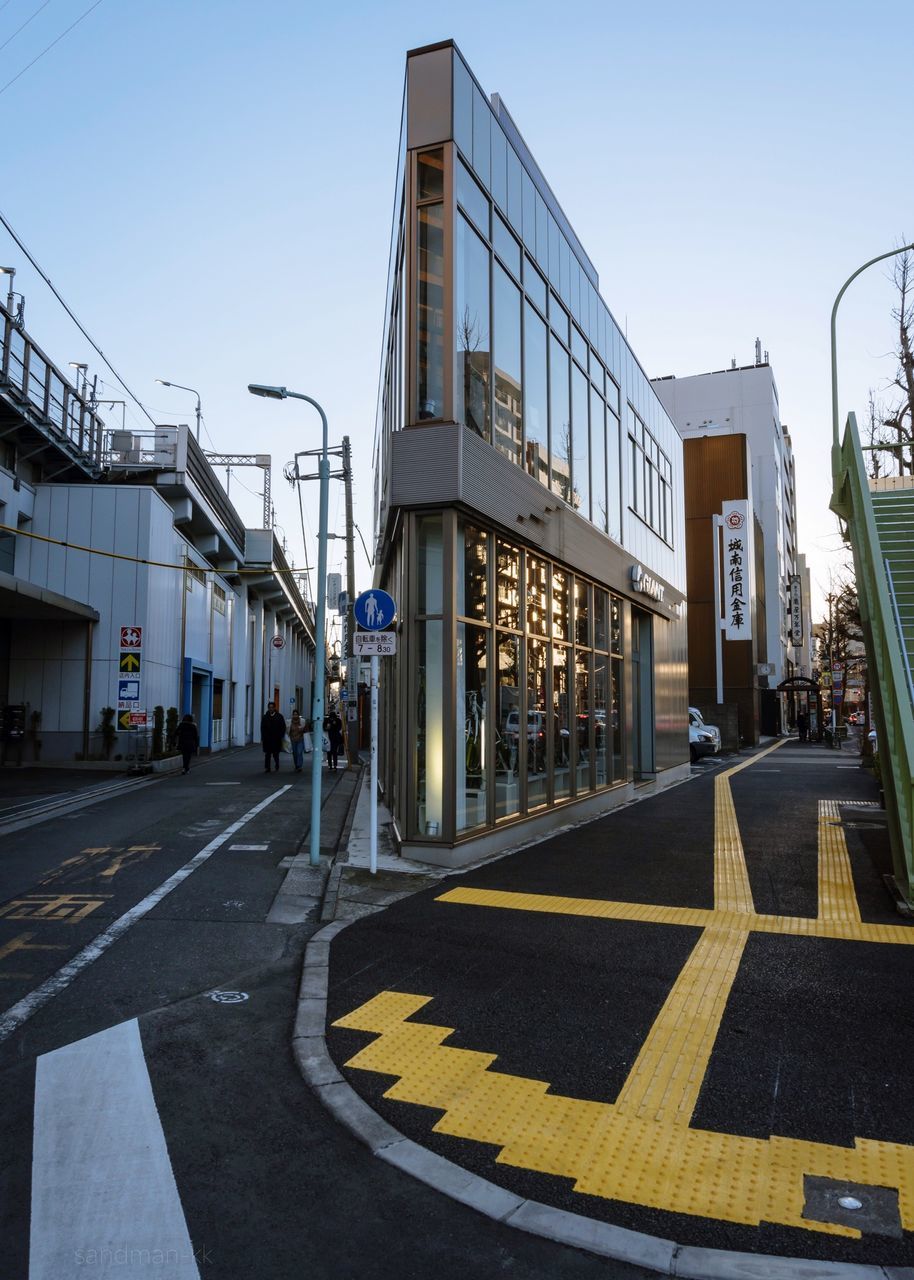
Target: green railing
x,y
886,658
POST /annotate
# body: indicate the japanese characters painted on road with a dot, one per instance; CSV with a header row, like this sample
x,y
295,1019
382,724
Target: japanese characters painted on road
x,y
737,570
374,610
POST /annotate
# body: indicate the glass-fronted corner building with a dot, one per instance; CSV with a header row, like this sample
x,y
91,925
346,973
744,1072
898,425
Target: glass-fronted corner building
x,y
528,502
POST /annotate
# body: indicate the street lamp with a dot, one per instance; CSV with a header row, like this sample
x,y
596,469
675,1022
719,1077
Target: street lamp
x,y
17,316
836,444
81,368
317,707
193,391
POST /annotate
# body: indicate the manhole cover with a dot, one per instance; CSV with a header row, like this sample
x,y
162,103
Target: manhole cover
x,y
228,997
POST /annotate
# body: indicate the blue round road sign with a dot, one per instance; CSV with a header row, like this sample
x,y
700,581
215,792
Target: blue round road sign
x,y
374,610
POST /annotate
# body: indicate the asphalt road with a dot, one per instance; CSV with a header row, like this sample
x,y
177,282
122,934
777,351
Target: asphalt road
x,y
176,1038
576,988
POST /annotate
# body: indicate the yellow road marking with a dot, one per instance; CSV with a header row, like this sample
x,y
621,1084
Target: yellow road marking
x,y
837,897
642,1148
664,1083
693,917
610,1150
66,908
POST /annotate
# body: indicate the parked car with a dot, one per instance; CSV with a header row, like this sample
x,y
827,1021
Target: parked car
x,y
704,739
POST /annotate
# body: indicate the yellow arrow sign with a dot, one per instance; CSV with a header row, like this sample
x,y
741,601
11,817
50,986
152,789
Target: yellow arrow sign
x,y
130,661
123,719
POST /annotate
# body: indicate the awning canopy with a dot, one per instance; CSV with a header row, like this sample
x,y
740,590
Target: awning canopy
x,y
24,601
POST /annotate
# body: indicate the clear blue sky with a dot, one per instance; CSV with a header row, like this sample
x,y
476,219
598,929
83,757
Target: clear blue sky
x,y
210,184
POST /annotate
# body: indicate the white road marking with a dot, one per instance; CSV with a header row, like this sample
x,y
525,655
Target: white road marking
x,y
23,1009
67,803
246,848
104,1198
223,784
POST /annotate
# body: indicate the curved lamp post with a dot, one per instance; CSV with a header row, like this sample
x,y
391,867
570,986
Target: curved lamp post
x,y
836,430
317,707
193,392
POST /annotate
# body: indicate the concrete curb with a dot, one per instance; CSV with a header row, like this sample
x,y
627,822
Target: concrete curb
x,y
666,1257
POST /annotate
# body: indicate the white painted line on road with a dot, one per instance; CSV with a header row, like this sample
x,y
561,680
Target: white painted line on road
x,y
222,784
24,1008
245,848
66,805
104,1198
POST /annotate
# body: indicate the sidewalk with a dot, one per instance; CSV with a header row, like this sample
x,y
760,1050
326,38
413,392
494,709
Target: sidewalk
x,y
675,1035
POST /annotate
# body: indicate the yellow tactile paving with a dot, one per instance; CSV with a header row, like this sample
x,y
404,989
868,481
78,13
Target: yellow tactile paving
x,y
837,898
694,917
664,1083
609,1150
642,1148
731,879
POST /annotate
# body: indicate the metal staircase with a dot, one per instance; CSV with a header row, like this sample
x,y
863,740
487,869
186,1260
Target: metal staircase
x,y
880,528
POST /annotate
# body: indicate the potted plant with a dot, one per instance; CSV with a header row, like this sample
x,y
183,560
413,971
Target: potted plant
x,y
34,731
107,730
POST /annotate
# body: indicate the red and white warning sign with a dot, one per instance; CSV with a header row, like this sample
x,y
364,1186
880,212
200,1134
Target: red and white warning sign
x,y
131,637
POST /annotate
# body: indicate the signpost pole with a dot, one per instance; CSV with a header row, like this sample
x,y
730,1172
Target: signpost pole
x,y
373,807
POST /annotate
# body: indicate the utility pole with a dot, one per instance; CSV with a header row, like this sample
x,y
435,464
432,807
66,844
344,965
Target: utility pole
x,y
352,662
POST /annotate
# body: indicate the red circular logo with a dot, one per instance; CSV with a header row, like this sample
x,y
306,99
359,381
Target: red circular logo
x,y
735,520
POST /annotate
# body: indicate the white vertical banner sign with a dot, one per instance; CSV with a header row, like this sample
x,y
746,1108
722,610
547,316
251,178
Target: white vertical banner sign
x,y
737,570
796,610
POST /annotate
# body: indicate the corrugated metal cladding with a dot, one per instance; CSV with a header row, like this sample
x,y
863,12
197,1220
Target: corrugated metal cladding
x,y
670,692
443,465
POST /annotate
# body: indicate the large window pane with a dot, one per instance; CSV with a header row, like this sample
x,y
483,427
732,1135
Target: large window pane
x,y
472,559
514,190
534,285
463,108
615,720
472,200
529,202
471,381
582,611
430,175
600,514
561,723
430,333
507,721
505,244
537,722
536,404
580,433
507,586
561,605
583,720
482,122
499,186
429,564
542,233
538,595
559,419
601,726
613,480
429,729
506,352
600,619
473,752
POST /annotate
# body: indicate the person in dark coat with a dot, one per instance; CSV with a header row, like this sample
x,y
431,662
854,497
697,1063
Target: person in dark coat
x,y
803,726
272,732
333,727
188,741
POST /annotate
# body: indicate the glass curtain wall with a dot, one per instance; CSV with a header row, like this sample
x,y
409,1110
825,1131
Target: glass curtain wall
x,y
538,680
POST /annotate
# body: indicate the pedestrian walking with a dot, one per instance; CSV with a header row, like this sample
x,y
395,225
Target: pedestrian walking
x,y
297,733
272,732
803,726
188,740
333,728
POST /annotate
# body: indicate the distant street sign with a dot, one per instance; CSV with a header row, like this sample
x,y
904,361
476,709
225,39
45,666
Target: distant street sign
x,y
137,719
130,661
375,644
131,637
344,694
128,691
278,642
374,610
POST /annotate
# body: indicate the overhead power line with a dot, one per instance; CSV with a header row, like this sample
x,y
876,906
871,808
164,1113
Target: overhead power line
x,y
49,47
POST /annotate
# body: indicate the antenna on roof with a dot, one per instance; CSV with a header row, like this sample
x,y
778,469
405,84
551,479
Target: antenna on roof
x,y
758,351
733,362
